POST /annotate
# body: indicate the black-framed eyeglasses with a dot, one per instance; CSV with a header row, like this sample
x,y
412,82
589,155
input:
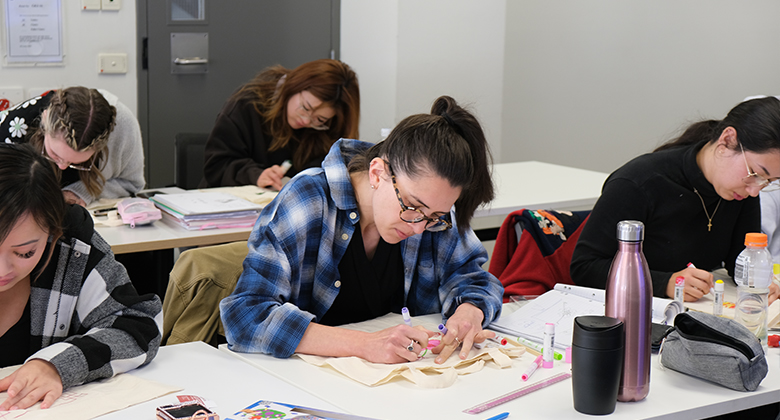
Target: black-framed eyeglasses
x,y
411,214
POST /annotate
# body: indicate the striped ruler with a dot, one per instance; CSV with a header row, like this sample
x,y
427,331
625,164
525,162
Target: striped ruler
x,y
517,393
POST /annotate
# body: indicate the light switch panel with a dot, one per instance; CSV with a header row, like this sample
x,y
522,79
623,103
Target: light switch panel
x,y
112,63
110,4
90,4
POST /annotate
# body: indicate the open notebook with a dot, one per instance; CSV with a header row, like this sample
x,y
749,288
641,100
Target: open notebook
x,y
561,305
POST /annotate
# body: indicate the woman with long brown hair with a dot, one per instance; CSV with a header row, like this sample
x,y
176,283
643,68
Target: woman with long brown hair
x,y
282,115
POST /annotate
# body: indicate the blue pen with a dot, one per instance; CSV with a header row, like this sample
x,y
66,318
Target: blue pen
x,y
501,416
407,318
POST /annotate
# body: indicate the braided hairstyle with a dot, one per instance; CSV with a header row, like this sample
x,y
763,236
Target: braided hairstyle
x,y
84,119
449,142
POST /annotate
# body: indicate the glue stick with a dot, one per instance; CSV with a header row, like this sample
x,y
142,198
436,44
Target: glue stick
x,y
717,305
549,342
679,289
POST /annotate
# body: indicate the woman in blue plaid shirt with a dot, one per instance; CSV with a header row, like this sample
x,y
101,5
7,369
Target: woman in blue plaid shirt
x,y
372,231
68,313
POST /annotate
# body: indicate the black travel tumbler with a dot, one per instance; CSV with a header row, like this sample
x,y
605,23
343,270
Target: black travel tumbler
x,y
596,363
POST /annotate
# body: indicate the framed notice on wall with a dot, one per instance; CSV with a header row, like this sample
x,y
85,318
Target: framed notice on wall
x,y
33,32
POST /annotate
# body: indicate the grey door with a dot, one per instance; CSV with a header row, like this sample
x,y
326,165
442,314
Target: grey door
x,y
241,38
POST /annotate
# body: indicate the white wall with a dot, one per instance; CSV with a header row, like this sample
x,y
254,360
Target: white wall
x,y
369,44
408,52
581,83
85,34
592,84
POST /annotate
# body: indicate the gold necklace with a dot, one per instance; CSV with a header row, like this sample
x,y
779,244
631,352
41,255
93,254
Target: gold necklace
x,y
709,218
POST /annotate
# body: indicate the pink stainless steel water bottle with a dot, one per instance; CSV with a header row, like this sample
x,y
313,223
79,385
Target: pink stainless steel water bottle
x,y
629,299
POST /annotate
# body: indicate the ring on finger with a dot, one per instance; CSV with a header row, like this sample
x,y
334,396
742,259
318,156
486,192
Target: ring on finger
x,y
458,340
410,347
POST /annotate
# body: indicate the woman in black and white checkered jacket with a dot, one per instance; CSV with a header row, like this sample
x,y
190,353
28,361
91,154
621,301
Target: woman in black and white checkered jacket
x,y
68,312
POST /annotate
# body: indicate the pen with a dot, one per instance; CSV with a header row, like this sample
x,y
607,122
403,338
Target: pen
x,y
407,318
501,416
442,329
538,348
531,369
690,264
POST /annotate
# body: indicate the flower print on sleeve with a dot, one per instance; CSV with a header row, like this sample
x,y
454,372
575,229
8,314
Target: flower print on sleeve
x,y
18,128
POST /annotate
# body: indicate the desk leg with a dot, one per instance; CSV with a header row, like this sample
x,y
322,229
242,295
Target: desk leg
x,y
148,270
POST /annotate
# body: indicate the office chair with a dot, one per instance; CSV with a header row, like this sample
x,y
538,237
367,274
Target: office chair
x,y
189,159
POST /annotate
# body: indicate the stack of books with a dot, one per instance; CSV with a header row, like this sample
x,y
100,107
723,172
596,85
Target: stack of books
x,y
207,210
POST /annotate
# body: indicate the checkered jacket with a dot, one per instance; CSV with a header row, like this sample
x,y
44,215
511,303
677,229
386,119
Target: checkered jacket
x,y
89,319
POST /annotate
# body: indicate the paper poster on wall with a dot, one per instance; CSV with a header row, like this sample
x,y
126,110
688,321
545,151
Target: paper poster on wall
x,y
33,31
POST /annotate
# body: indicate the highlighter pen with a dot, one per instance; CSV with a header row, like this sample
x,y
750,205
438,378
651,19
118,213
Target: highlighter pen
x,y
549,342
286,165
442,329
407,318
531,369
538,348
501,416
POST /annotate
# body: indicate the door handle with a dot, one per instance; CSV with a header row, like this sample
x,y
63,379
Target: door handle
x,y
189,61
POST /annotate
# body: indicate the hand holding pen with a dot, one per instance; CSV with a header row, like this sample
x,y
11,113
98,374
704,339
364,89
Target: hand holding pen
x,y
697,283
463,328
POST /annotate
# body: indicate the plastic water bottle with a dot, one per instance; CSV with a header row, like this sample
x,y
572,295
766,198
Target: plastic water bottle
x,y
753,275
629,299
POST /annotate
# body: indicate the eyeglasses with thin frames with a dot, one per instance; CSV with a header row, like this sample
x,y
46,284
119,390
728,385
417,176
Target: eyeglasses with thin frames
x,y
306,111
70,165
755,180
414,215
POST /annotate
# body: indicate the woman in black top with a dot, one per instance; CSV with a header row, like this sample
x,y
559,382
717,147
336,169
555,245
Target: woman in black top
x,y
281,115
696,195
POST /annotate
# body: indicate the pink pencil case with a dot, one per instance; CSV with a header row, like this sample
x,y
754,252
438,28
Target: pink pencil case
x,y
138,211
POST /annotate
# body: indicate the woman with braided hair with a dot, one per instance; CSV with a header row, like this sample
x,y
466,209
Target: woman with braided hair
x,y
92,138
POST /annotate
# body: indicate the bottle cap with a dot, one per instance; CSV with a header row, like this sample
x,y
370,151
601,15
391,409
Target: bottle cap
x,y
632,231
719,285
755,239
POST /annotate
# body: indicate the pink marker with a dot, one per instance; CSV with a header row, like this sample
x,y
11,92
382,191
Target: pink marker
x,y
531,369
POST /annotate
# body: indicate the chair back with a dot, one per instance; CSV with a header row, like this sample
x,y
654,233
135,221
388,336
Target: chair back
x,y
189,159
533,250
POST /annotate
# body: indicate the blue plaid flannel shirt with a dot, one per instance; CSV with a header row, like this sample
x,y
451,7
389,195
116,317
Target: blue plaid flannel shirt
x,y
291,273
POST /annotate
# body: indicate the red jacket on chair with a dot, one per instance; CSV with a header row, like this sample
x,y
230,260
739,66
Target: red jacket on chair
x,y
541,258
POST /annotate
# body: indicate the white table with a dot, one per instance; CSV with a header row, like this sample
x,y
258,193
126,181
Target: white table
x,y
534,185
672,395
204,371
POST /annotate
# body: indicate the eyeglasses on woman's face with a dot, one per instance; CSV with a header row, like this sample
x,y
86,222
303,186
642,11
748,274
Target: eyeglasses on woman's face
x,y
411,214
306,111
52,156
755,180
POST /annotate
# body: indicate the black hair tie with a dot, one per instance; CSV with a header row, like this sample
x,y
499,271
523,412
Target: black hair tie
x,y
452,123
